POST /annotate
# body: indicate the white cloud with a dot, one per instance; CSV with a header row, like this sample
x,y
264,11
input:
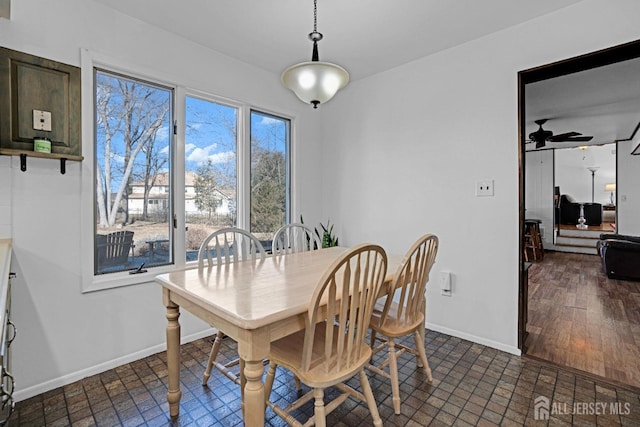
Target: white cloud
x,y
163,134
202,155
117,158
266,120
223,157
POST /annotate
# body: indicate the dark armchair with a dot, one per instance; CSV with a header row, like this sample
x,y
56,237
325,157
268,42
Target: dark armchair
x,y
620,256
570,211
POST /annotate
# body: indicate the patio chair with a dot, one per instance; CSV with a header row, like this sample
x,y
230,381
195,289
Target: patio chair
x,y
332,348
113,249
402,312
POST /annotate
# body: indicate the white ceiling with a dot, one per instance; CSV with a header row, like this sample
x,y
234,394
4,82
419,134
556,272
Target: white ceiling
x,y
603,102
364,36
371,36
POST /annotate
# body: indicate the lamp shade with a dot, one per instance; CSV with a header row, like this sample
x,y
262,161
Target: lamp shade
x,y
610,187
315,82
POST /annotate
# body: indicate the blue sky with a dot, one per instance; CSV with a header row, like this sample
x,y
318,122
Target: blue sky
x,y
210,130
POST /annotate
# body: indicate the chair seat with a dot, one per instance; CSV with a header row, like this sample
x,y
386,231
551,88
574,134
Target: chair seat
x,y
287,352
392,326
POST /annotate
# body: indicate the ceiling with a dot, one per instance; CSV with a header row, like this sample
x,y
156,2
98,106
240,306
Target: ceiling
x,y
371,36
603,102
364,36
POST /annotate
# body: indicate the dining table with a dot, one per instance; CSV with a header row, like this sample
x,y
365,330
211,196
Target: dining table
x,y
253,302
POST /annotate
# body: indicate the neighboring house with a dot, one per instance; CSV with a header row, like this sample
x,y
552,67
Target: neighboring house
x,y
158,198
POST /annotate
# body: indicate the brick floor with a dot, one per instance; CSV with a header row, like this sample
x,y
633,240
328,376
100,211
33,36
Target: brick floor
x,y
473,385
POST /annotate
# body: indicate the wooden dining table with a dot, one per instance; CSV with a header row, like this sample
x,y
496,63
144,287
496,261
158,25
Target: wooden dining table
x,y
253,302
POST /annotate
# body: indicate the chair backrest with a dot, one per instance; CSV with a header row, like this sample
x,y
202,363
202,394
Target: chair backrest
x,y
228,245
407,292
342,305
113,248
295,237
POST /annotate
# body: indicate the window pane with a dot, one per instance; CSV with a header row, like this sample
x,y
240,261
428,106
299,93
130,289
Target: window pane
x,y
211,131
269,175
133,185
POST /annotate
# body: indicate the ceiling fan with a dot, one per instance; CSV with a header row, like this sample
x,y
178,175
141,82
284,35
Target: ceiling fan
x,y
541,136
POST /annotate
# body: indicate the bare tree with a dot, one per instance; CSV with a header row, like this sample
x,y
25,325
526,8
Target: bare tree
x,y
154,163
129,117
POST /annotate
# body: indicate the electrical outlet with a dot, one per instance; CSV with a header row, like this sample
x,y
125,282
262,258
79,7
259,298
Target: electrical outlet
x,y
42,120
484,187
445,283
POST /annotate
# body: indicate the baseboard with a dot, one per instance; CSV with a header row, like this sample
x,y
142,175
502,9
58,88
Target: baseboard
x,y
479,340
20,395
24,394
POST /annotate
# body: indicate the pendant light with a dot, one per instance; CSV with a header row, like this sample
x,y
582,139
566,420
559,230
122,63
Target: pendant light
x,y
315,82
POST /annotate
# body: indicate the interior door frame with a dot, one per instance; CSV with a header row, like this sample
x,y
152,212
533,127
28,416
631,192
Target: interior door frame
x,y
623,52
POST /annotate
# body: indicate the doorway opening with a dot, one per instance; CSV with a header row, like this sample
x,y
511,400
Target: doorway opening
x,y
578,130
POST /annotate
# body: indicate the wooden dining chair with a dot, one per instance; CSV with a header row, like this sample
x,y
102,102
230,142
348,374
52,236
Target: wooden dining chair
x,y
219,249
294,237
332,348
402,312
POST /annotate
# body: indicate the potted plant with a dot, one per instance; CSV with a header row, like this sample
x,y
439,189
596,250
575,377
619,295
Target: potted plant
x,y
327,237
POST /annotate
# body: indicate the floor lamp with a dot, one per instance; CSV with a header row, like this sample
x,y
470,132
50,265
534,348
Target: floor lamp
x,y
593,170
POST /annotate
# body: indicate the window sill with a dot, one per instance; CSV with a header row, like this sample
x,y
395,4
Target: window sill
x,y
117,280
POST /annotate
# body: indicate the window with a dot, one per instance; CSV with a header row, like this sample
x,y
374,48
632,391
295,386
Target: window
x,y
269,174
235,170
132,162
210,158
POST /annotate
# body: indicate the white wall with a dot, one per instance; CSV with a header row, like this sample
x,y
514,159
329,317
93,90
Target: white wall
x,y
414,140
628,189
63,334
574,179
538,196
401,153
5,197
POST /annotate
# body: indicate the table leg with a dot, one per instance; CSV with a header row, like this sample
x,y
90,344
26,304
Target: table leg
x,y
173,358
254,405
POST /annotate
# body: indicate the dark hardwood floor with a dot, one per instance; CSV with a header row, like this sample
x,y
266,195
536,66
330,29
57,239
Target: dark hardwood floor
x,y
580,319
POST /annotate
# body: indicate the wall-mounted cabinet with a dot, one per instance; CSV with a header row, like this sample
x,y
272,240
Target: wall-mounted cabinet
x,y
39,98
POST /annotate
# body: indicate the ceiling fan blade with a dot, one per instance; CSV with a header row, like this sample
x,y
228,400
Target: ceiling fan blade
x,y
563,136
580,138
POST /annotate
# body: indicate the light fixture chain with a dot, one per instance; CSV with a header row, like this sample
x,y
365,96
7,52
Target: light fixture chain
x,y
315,16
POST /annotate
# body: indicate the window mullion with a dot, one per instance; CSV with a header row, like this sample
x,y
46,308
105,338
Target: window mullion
x,y
244,168
179,232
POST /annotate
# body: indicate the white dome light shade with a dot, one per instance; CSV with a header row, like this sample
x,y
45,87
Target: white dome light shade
x,y
315,82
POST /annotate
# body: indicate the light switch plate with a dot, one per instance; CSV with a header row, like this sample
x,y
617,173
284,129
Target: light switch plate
x,y
42,120
484,187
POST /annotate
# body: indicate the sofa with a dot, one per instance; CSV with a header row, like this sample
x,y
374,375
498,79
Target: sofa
x,y
570,211
620,256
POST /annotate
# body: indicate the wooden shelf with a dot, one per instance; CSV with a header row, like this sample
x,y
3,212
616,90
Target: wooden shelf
x,y
26,153
14,152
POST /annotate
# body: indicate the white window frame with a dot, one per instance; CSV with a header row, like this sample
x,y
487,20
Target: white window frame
x,y
90,60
